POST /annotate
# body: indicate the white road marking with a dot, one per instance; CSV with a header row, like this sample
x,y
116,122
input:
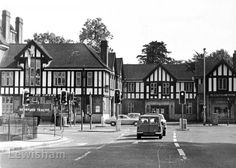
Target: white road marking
x,y
100,147
81,144
177,145
181,152
84,155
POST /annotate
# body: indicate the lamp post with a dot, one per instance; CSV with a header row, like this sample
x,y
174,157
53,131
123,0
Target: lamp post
x,y
83,97
204,87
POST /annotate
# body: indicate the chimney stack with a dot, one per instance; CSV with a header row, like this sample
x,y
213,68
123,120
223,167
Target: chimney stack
x,y
234,60
6,25
104,51
19,29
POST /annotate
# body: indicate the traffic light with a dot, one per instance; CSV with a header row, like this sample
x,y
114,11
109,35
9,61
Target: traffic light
x,y
26,97
63,97
182,97
117,96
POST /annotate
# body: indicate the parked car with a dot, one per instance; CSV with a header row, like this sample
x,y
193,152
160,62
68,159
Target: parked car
x,y
125,120
150,125
163,122
133,115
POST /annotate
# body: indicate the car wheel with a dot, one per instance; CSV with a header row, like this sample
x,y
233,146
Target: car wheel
x,y
135,123
138,136
160,136
113,123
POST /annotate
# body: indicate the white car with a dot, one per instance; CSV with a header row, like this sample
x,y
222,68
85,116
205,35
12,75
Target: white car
x,y
125,120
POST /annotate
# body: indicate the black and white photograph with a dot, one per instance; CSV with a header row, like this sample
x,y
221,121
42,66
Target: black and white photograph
x,y
118,84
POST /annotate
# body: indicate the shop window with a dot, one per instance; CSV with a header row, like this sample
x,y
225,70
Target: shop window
x,y
59,78
222,84
166,88
153,88
7,78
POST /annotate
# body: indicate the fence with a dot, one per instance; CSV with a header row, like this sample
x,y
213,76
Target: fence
x,y
18,128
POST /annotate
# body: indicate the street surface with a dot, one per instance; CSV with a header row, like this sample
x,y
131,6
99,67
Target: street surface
x,y
198,147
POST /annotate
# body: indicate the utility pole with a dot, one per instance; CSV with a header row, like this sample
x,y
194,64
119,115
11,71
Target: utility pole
x,y
204,87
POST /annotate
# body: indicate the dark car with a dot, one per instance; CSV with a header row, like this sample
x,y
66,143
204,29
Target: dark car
x,y
150,125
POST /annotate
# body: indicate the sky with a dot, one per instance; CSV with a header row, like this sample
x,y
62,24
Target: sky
x,y
185,26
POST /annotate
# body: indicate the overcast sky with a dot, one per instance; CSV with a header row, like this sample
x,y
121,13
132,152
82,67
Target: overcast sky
x,y
185,26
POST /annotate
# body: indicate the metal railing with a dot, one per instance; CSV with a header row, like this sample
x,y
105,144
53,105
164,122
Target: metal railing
x,y
18,128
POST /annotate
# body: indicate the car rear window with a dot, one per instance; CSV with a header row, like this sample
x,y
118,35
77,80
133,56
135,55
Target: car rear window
x,y
154,120
144,120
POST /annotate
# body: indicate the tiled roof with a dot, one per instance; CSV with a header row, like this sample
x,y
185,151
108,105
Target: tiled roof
x,y
137,71
140,71
210,65
66,55
179,71
8,59
72,55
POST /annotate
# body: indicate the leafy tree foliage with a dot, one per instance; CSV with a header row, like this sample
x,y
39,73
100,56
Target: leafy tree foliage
x,y
93,32
214,56
154,53
49,38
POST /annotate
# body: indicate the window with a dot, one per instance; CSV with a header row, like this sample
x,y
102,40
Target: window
x,y
78,79
7,104
33,72
59,78
189,108
7,78
130,107
89,78
188,86
153,88
222,84
166,88
131,87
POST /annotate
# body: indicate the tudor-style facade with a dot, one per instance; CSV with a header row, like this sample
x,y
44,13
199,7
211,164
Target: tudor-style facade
x,y
156,88
220,88
47,69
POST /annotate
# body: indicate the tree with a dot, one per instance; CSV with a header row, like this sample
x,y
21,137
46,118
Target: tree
x,y
214,56
155,53
93,32
49,38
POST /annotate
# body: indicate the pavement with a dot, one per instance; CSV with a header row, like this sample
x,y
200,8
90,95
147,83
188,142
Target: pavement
x,y
46,136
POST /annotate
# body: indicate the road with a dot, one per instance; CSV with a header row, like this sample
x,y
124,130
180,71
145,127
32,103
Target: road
x,y
199,147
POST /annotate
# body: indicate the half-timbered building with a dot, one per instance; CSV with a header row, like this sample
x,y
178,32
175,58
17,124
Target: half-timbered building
x,y
155,88
45,70
220,90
